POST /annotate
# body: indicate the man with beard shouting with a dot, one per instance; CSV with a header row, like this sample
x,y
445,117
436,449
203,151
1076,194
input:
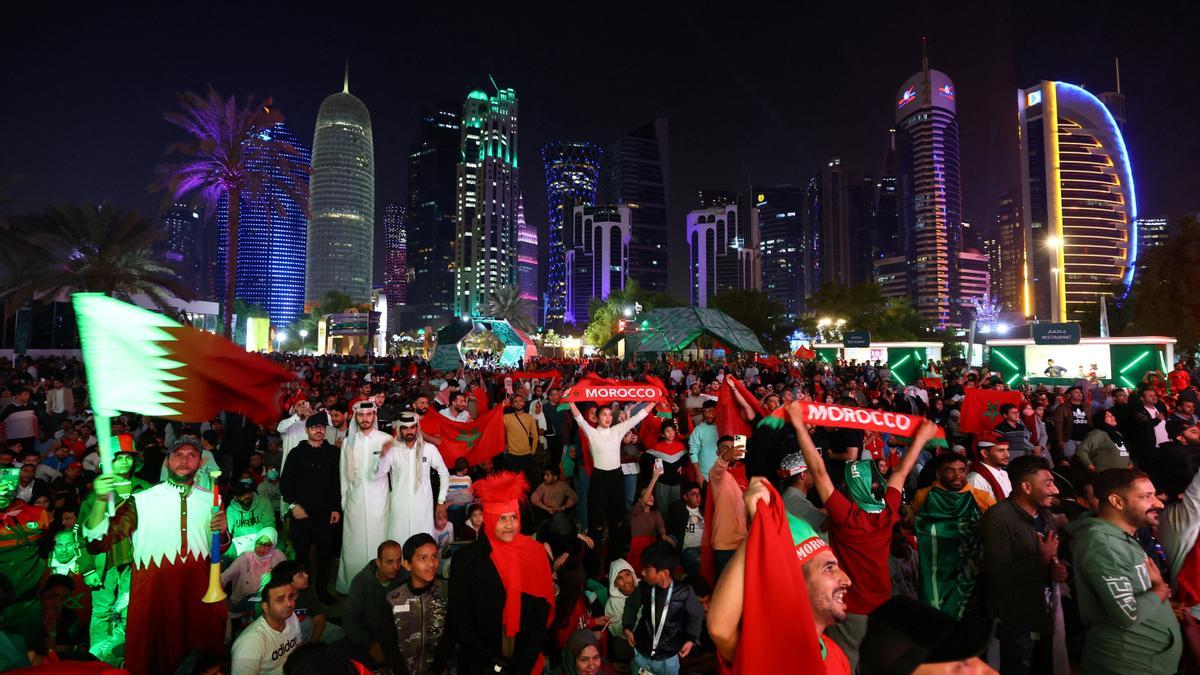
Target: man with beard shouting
x,y
171,526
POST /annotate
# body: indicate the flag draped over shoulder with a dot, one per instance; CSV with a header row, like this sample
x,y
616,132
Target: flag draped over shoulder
x,y
947,528
143,362
776,612
981,409
478,440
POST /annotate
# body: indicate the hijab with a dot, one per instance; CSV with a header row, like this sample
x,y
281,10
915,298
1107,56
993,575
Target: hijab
x,y
1113,432
860,476
579,641
261,565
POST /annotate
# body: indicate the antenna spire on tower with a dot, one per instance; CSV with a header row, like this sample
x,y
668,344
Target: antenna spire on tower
x,y
924,55
346,80
1117,62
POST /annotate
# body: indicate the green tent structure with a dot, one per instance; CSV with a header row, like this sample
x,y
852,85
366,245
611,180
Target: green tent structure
x,y
448,355
674,329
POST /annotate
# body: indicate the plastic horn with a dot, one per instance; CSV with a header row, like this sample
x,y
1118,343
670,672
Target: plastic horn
x,y
215,593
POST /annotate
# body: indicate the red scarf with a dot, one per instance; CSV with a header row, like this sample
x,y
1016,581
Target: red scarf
x,y
522,564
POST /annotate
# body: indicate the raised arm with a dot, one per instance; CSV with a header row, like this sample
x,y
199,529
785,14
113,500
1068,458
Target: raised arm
x,y
816,464
747,409
725,611
926,432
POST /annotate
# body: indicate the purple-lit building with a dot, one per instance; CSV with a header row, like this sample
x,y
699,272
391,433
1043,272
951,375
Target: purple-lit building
x,y
572,174
527,258
395,267
597,257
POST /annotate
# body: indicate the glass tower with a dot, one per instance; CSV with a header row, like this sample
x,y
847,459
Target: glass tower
x,y
1079,203
432,169
635,174
341,233
488,197
572,174
781,226
930,192
272,234
395,268
527,257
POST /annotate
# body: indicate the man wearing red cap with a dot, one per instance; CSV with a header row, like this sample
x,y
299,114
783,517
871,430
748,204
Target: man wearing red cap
x,y
501,590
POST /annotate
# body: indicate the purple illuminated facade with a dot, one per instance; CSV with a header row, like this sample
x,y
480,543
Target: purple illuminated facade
x,y
395,267
527,258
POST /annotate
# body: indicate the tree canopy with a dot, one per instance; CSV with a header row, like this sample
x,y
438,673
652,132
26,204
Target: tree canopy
x,y
758,312
1163,301
864,307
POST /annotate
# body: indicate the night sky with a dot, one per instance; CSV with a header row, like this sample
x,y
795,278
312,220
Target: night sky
x,y
756,93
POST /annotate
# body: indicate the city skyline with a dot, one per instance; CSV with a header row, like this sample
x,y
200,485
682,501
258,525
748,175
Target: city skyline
x,y
721,144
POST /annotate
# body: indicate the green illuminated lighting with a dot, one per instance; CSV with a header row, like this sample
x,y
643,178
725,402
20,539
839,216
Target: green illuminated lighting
x,y
477,95
901,362
1006,359
897,378
1127,382
1134,362
1014,377
1162,361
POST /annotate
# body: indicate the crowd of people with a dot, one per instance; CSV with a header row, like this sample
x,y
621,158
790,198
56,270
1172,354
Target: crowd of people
x,y
603,536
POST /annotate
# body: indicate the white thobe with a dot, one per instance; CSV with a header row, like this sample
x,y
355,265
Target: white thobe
x,y
410,508
364,504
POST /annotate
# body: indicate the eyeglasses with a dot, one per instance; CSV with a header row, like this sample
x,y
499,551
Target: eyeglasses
x,y
694,493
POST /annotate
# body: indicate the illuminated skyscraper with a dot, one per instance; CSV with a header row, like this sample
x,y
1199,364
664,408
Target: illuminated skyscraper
x,y
527,259
596,241
1005,249
341,233
572,172
432,168
1079,203
184,230
395,267
930,193
636,173
271,244
723,252
835,224
487,202
781,225
1151,233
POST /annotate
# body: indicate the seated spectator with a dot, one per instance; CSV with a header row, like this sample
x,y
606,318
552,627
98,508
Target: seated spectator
x,y
621,582
469,529
1104,446
309,609
581,656
367,616
265,646
552,495
646,524
458,490
248,570
418,610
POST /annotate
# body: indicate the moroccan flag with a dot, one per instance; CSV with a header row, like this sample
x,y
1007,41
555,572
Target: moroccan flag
x,y
482,402
774,590
981,409
769,361
478,440
731,420
144,362
805,353
552,375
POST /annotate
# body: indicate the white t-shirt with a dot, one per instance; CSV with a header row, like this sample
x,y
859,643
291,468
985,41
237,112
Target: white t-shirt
x,y
693,532
605,444
260,649
1160,429
448,413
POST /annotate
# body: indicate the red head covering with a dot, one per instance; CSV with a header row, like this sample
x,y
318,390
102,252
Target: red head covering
x,y
522,562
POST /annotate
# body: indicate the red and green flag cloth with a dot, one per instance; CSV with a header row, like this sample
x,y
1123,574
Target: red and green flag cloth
x,y
551,375
602,390
981,409
775,589
478,440
827,415
947,529
144,362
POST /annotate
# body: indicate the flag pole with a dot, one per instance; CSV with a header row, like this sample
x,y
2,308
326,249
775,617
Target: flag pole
x,y
102,420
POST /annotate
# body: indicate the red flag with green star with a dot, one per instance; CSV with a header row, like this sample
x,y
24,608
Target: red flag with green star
x,y
478,440
981,409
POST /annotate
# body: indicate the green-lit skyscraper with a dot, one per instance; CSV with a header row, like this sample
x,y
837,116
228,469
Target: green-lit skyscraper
x,y
487,201
341,228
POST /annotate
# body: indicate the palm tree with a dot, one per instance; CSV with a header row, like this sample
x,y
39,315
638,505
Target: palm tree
x,y
506,303
69,249
230,154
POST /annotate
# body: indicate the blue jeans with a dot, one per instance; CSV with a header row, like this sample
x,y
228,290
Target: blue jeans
x,y
664,667
690,559
631,481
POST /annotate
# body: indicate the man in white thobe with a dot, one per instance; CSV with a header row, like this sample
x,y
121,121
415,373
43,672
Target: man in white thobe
x,y
364,494
409,460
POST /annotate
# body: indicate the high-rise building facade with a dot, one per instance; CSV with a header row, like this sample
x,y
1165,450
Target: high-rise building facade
x,y
723,252
1005,249
272,238
1151,233
527,260
1079,204
432,170
930,193
974,284
887,205
395,261
488,200
835,224
597,242
780,210
572,178
184,230
341,232
811,218
636,173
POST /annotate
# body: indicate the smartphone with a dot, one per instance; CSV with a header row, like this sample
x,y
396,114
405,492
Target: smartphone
x,y
658,465
739,444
